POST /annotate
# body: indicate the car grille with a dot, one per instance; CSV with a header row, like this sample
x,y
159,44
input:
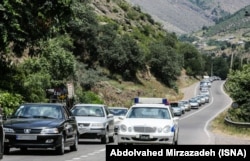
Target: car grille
x,y
145,129
84,124
32,131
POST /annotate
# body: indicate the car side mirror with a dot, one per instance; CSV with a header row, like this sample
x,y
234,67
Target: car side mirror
x,y
110,115
176,118
4,117
121,117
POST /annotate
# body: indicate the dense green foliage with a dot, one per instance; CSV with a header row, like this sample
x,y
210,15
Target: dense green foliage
x,y
45,44
25,22
192,60
9,102
165,61
238,85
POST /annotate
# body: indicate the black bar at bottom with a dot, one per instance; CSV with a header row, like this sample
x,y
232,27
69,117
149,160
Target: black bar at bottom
x,y
177,153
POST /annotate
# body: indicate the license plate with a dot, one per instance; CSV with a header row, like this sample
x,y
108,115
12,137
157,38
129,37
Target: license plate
x,y
26,137
144,137
83,129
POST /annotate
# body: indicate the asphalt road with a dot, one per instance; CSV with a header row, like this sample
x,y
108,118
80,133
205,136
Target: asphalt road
x,y
193,130
194,127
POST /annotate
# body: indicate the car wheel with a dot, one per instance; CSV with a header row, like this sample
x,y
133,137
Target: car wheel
x,y
75,146
60,149
6,150
105,139
175,141
112,139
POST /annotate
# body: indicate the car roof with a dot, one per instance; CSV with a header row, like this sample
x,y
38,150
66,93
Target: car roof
x,y
117,107
88,104
151,105
41,103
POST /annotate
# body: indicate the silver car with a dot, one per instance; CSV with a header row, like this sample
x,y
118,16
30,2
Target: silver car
x,y
94,122
177,110
194,103
186,105
119,113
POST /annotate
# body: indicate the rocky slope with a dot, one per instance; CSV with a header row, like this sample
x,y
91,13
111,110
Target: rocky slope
x,y
182,16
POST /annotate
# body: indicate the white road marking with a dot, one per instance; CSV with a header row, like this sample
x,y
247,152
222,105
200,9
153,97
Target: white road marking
x,y
87,155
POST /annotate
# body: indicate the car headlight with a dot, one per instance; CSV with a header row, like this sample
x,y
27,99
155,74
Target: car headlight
x,y
99,125
166,129
123,128
50,131
8,130
80,125
159,129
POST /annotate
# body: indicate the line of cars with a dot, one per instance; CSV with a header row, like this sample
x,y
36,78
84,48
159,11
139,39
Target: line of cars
x,y
54,126
203,97
149,122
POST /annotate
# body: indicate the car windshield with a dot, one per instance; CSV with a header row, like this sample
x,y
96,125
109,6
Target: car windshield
x,y
96,111
118,112
38,111
149,112
173,104
193,100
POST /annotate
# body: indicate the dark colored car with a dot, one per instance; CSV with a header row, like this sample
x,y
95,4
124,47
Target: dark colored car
x,y
1,137
41,125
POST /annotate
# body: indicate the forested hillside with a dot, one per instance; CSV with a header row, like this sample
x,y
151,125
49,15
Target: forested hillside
x,y
108,50
187,16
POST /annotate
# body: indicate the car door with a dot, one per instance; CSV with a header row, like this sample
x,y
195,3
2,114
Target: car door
x,y
70,125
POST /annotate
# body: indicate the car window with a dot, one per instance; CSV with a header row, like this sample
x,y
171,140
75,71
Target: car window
x,y
118,112
149,112
36,110
106,110
66,113
173,104
96,111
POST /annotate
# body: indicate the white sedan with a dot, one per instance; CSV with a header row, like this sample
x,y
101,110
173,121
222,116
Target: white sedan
x,y
149,124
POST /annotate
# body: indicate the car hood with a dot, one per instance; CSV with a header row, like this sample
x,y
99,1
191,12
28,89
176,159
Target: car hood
x,y
30,123
90,119
146,122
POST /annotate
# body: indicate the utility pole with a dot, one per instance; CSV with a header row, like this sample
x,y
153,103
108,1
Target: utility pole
x,y
212,65
231,63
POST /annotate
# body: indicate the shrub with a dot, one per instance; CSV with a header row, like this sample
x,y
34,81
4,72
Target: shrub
x,y
9,102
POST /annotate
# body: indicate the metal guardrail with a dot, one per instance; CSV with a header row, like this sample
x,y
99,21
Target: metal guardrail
x,y
228,121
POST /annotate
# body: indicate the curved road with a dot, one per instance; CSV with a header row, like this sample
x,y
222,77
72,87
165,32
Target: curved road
x,y
194,125
193,130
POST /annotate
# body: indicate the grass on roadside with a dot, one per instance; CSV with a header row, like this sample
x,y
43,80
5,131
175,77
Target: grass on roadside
x,y
218,126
